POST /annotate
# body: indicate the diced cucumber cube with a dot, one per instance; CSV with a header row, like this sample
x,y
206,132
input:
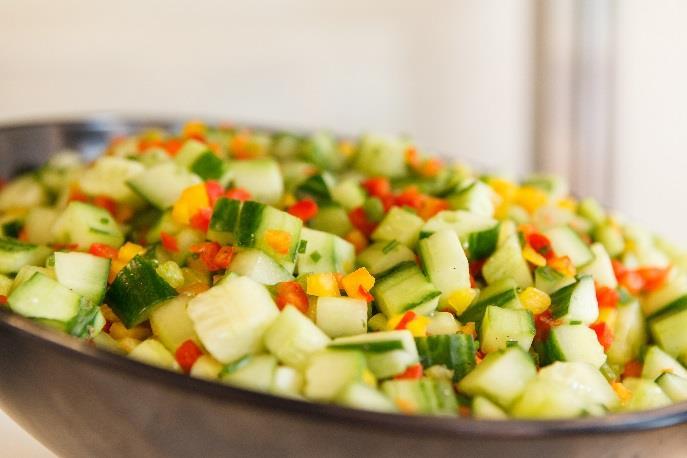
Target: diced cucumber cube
x,y
501,327
15,254
508,262
445,262
171,323
341,316
257,374
405,288
152,352
576,302
329,371
400,225
657,362
83,224
42,297
292,338
575,343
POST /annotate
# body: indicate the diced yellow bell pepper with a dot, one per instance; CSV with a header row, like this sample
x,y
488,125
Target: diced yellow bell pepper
x,y
506,189
567,203
393,321
532,256
535,300
322,284
360,278
192,199
608,315
461,299
531,198
623,393
128,251
194,128
418,326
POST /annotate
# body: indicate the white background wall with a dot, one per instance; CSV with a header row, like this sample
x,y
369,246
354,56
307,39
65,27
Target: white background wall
x,y
455,74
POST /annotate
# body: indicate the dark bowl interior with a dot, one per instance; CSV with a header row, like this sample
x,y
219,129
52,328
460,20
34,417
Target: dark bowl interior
x,y
82,401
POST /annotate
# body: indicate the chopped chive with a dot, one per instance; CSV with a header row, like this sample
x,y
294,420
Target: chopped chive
x,y
511,343
315,256
389,247
374,209
575,322
301,246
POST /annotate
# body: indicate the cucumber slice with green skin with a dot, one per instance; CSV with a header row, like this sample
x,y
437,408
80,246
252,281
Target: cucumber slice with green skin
x,y
673,292
199,159
348,194
259,224
232,317
586,381
503,293
15,254
152,352
591,210
545,399
475,198
136,291
162,184
400,225
171,324
574,343
42,297
646,394
377,322
405,288
88,322
262,178
361,396
600,268
379,258
321,149
566,242
38,224
673,386
108,177
422,396
501,377
462,222
83,224
388,353
225,215
292,338
484,409
332,219
508,262
287,381
482,244
501,327
629,334
456,352
657,362
324,252
668,329
260,267
444,262
380,155
83,273
316,187
550,280
341,316
329,371
257,374
576,302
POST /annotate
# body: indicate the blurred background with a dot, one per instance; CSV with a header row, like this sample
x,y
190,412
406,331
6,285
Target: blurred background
x,y
589,89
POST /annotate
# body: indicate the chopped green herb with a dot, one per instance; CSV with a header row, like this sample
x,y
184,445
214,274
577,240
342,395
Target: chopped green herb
x,y
389,247
301,246
315,256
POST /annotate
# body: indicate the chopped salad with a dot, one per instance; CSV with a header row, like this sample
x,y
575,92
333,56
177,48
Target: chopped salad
x,y
364,273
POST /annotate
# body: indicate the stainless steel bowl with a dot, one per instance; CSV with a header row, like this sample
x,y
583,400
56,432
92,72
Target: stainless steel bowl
x,y
81,401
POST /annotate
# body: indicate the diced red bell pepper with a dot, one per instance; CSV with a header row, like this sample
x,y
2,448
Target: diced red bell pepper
x,y
607,297
172,146
633,369
407,318
3,299
430,206
104,251
541,244
106,203
360,221
305,209
169,242
604,334
207,252
410,197
238,194
653,277
201,219
543,324
187,354
224,256
411,373
377,186
292,293
364,294
215,190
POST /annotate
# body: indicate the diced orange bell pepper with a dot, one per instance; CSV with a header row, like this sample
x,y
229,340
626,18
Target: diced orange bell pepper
x,y
279,241
192,199
322,284
353,282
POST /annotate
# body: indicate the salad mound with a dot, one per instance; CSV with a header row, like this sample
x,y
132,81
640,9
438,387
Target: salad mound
x,y
362,273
